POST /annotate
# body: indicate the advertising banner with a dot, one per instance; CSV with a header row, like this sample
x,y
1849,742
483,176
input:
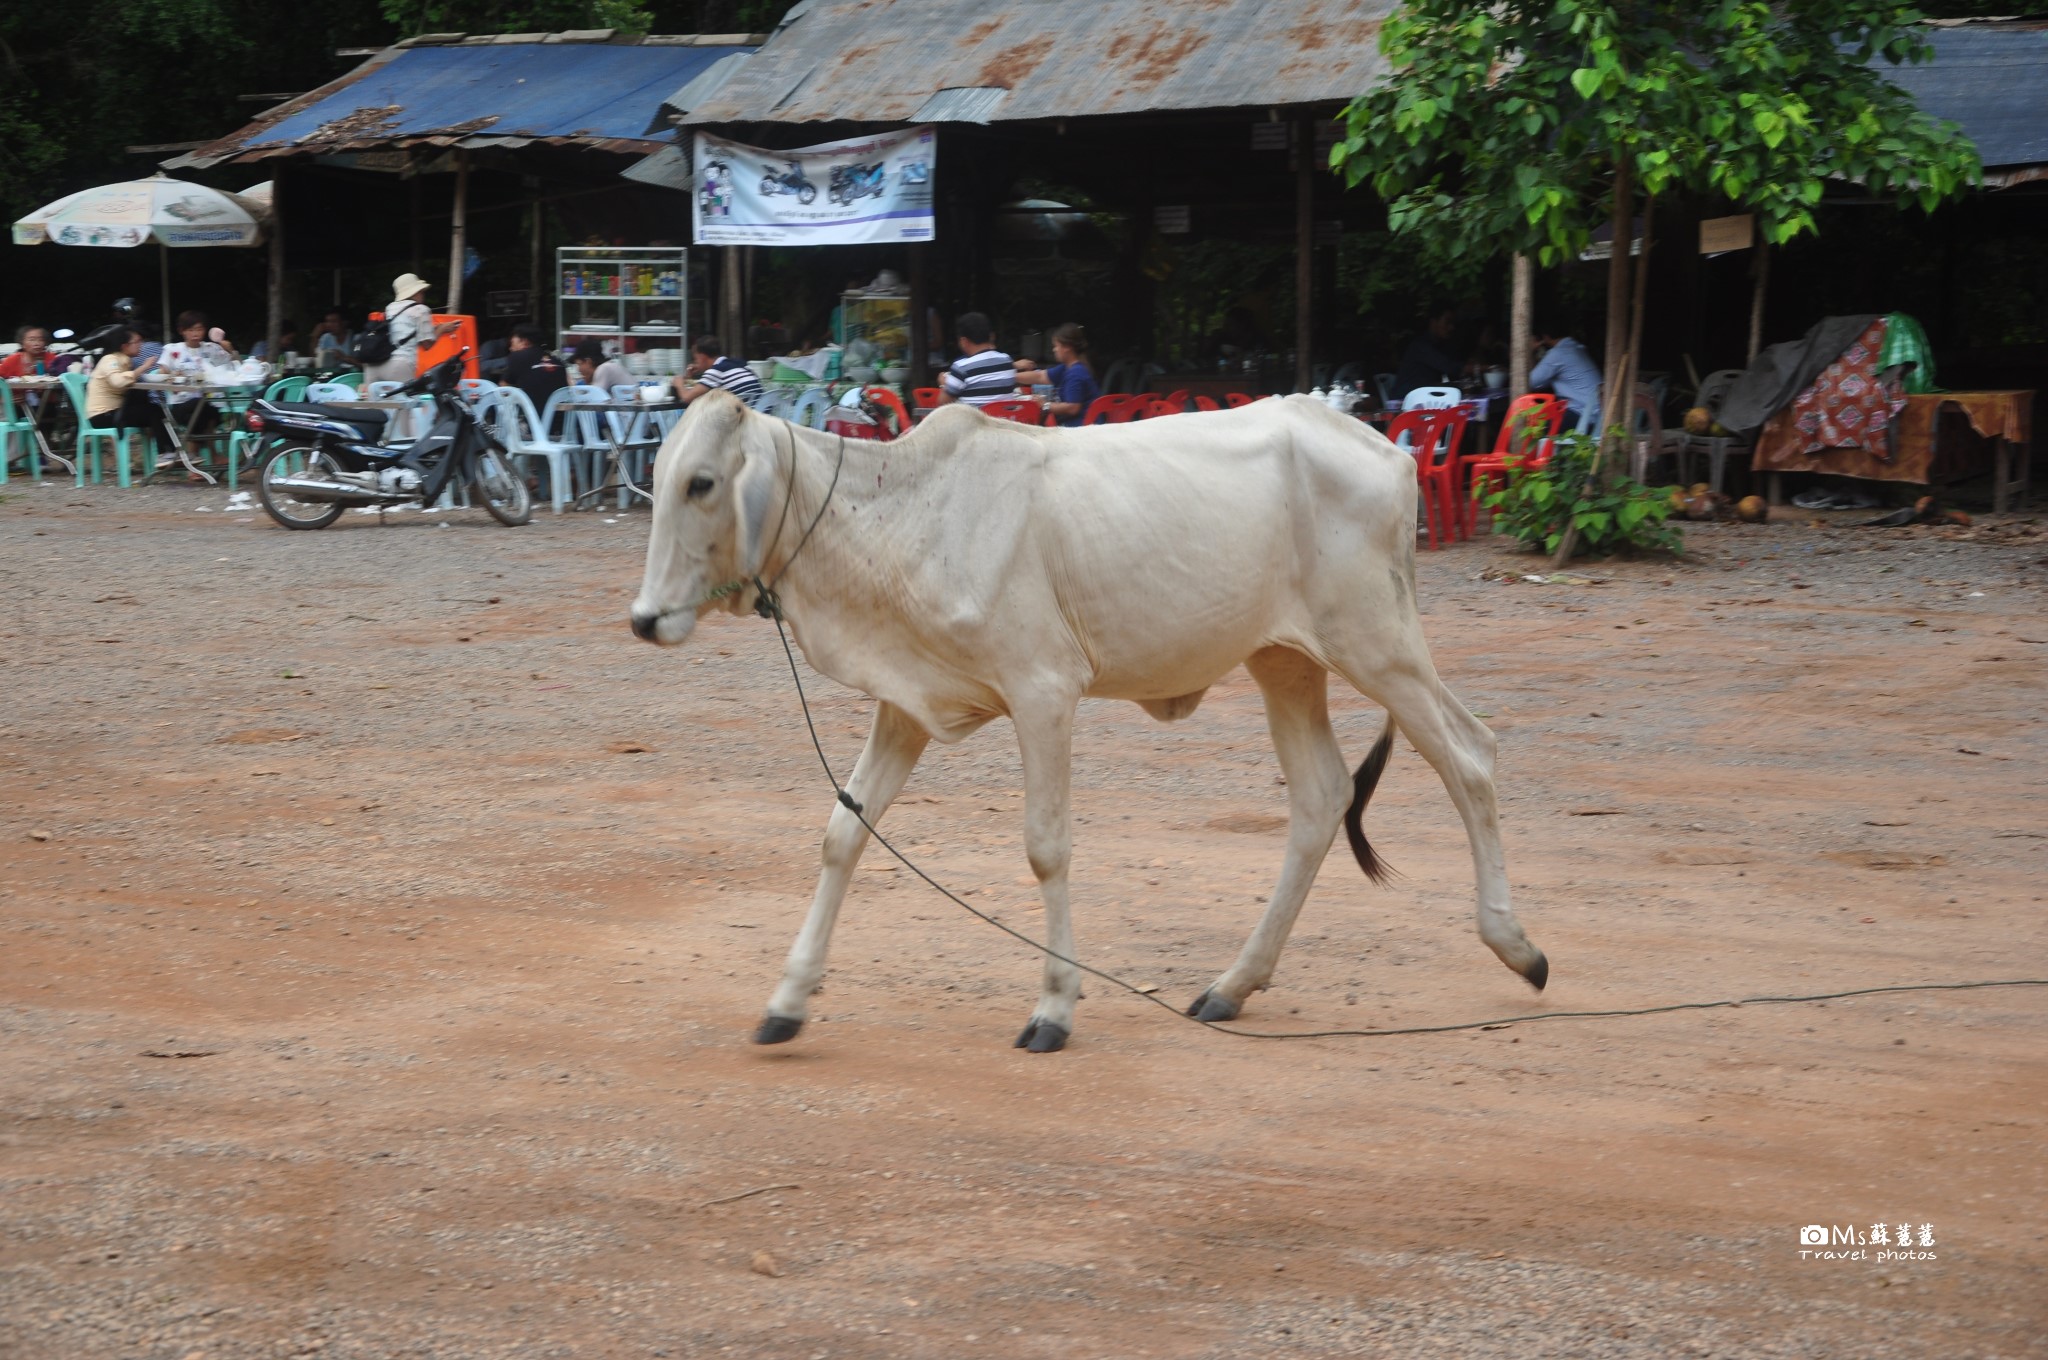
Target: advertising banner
x,y
861,190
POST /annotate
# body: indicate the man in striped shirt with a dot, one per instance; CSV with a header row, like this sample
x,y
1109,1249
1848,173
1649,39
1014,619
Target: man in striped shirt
x,y
982,373
711,371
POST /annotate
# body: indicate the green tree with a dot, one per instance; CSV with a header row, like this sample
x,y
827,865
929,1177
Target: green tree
x,y
1519,126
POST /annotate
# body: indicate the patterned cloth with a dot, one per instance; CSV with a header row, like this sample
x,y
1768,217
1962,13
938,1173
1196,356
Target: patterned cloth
x,y
1906,343
1849,405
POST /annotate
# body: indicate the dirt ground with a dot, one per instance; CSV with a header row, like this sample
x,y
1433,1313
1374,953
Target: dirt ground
x,y
384,927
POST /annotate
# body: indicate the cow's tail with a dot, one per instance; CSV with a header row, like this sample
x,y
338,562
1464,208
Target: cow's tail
x,y
1363,782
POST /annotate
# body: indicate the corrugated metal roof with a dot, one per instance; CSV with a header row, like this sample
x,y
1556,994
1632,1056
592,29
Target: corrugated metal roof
x,y
1993,79
479,92
858,61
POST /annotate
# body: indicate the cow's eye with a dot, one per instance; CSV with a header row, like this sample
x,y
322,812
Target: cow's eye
x,y
699,486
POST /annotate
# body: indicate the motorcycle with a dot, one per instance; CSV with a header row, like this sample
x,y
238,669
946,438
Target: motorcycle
x,y
790,181
324,458
850,182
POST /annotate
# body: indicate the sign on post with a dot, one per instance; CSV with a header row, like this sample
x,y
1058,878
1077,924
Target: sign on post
x,y
1721,234
503,303
858,191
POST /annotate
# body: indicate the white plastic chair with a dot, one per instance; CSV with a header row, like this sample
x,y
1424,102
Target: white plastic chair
x,y
1433,399
810,408
579,431
378,391
325,392
510,414
637,428
474,388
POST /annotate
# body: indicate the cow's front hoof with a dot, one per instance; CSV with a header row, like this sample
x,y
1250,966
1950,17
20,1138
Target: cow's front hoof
x,y
1210,1008
1042,1036
777,1029
1538,972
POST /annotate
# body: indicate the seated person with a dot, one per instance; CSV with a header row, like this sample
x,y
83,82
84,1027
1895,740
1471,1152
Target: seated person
x,y
333,332
711,370
532,367
1569,371
1432,360
190,357
1072,379
594,369
111,401
982,373
33,359
287,341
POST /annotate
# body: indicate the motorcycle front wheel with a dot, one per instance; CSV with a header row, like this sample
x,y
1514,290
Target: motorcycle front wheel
x,y
500,489
286,460
807,195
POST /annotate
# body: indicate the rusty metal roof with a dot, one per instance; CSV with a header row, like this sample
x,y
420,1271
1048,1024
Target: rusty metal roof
x,y
504,90
865,62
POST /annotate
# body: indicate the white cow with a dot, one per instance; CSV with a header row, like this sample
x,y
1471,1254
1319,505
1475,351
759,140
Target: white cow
x,y
977,567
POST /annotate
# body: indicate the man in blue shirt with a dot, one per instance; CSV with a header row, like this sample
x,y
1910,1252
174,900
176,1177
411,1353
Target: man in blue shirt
x,y
1072,379
1569,371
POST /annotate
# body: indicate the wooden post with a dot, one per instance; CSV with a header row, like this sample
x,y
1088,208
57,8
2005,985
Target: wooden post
x,y
273,325
1520,322
1622,224
729,307
920,308
458,238
1756,303
1304,252
163,259
536,258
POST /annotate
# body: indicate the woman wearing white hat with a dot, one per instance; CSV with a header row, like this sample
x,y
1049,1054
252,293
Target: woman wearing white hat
x,y
411,322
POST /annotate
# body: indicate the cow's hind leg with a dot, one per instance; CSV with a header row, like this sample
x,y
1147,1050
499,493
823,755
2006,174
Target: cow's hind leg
x,y
1318,790
1045,738
1460,748
895,742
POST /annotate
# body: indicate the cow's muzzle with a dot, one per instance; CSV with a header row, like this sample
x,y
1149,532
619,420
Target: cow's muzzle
x,y
644,625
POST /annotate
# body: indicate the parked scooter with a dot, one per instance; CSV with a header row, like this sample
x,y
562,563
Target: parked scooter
x,y
324,458
790,181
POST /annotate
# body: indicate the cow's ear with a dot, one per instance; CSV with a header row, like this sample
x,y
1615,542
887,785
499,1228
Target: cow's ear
x,y
753,498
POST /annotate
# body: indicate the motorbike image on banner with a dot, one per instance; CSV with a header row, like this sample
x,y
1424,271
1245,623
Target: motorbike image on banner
x,y
876,189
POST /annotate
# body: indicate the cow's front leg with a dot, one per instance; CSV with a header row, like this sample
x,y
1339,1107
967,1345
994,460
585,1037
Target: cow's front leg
x,y
895,742
1046,738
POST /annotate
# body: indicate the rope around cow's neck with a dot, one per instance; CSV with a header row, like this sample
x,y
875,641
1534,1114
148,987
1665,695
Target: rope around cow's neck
x,y
766,603
847,801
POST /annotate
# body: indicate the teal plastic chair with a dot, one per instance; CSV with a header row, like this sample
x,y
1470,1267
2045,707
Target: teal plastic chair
x,y
352,378
89,436
15,424
287,389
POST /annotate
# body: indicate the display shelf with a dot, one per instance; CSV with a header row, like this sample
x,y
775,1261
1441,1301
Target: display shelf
x,y
596,285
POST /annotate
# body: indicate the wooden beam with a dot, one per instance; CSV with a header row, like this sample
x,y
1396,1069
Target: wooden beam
x,y
1756,303
1304,252
160,148
458,237
273,322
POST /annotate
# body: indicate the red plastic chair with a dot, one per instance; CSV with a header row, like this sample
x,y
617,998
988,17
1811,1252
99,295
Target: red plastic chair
x,y
1206,404
887,399
1527,433
925,398
1236,399
1023,410
1109,410
1161,407
1424,433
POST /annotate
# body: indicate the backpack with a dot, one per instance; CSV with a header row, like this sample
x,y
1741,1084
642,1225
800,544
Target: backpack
x,y
372,344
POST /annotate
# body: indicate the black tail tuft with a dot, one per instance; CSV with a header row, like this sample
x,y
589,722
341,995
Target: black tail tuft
x,y
1362,784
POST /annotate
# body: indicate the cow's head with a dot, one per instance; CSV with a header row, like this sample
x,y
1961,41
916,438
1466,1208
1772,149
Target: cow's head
x,y
715,485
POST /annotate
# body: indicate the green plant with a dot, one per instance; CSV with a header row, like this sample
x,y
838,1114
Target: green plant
x,y
1538,503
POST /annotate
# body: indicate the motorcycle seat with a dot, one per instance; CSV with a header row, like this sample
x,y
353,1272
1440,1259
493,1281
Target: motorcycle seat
x,y
336,411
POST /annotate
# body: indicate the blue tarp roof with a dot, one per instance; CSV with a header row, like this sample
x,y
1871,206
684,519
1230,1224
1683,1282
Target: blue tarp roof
x,y
1993,80
478,92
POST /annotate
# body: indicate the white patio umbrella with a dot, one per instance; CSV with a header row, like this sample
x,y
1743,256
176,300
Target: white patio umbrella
x,y
169,211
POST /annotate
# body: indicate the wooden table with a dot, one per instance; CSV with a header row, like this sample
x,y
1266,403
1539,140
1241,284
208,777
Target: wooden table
x,y
2004,417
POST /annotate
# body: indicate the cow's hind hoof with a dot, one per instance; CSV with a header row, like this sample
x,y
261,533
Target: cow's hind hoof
x,y
1042,1036
1537,973
777,1029
1210,1008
